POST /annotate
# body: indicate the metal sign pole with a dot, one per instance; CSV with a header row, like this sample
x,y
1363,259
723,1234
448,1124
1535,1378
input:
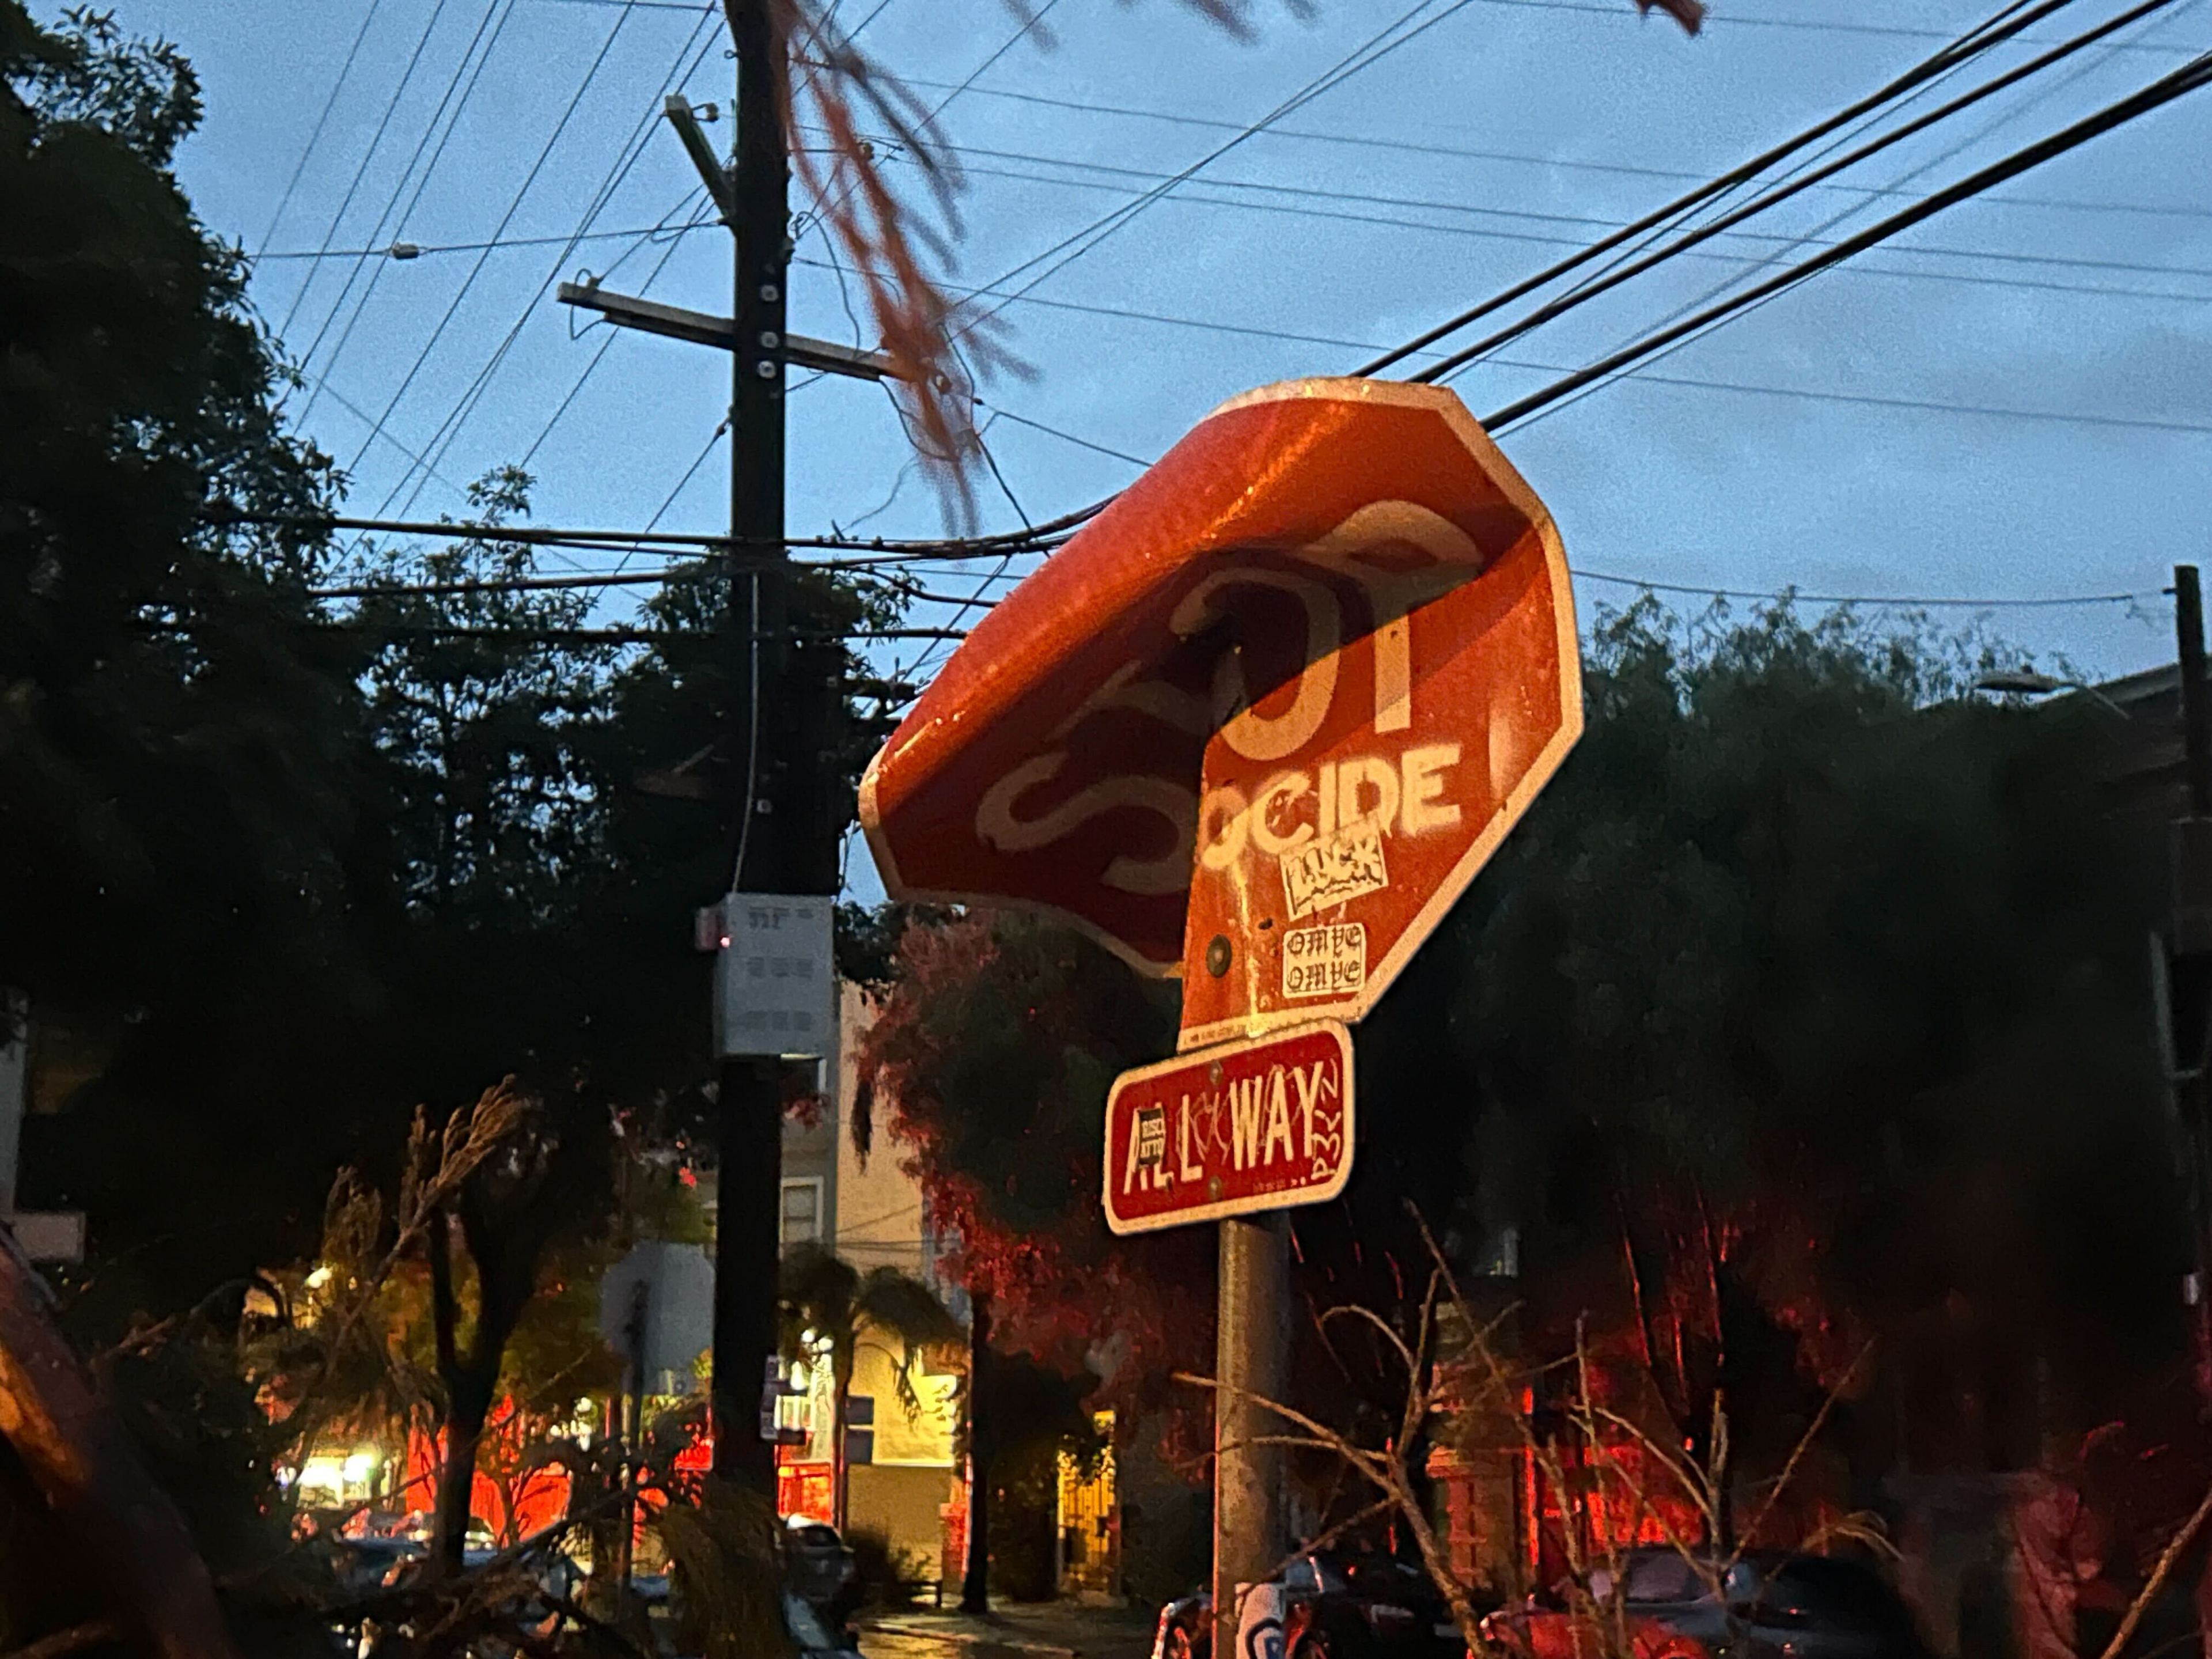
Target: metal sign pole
x,y
1251,1363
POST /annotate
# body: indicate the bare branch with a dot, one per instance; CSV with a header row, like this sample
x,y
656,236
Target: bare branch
x,y
1355,1311
75,1639
1798,1452
2176,1548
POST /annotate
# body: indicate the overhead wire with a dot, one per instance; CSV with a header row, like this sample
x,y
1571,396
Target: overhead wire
x,y
537,167
375,590
1458,152
448,431
1978,40
375,141
1733,18
2179,83
1798,170
1644,367
1069,249
1493,233
1781,193
1814,237
646,233
398,221
322,121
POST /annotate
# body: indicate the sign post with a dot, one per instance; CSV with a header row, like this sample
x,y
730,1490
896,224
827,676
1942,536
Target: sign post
x,y
1258,725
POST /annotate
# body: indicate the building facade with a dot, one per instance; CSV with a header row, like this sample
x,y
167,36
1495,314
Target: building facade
x,y
903,1474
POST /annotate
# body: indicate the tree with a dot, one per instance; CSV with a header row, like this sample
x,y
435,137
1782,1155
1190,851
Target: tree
x,y
506,1211
989,1059
831,1310
179,787
1805,1007
1810,970
173,787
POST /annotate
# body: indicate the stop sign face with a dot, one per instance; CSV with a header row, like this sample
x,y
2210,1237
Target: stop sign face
x,y
1342,813
1263,719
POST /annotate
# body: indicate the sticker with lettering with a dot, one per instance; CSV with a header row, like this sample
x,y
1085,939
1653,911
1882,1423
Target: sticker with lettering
x,y
1331,869
1328,961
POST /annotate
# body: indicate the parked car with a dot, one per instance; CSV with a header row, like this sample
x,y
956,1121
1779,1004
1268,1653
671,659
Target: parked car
x,y
1366,1607
1774,1606
1339,1605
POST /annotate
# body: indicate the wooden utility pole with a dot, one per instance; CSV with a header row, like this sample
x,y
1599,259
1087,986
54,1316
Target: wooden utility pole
x,y
2186,958
781,780
749,1110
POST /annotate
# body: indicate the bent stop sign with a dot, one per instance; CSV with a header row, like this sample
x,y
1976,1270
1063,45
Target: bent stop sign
x,y
1345,811
1261,720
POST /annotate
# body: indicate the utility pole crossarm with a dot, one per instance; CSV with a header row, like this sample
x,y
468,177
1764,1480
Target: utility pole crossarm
x,y
703,328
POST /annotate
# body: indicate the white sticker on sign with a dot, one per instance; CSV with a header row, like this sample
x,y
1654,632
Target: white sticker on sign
x,y
1331,869
1325,961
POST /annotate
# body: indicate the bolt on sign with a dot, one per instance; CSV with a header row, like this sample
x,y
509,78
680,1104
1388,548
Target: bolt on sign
x,y
1226,1131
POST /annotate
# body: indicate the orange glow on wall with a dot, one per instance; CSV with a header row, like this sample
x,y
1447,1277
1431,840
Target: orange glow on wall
x,y
514,1505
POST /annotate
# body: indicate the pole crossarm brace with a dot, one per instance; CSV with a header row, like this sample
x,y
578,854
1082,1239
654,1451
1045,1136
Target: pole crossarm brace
x,y
711,172
702,328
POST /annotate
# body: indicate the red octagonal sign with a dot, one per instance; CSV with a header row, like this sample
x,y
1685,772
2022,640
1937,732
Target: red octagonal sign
x,y
1262,720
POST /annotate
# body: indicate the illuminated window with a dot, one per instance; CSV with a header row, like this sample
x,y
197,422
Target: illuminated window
x,y
801,1222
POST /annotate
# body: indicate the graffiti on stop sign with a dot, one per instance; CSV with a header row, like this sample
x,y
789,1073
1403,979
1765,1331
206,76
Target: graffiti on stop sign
x,y
1245,1126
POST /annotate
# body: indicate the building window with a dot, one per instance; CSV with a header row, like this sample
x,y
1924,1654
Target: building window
x,y
801,1222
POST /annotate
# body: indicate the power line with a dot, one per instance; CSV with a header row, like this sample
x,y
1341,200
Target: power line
x,y
513,207
616,541
376,139
2020,108
1457,152
2187,79
2048,602
448,432
1781,192
511,585
604,347
402,252
379,589
412,250
1297,337
1030,18
1977,40
1065,437
1071,248
646,233
1492,233
422,183
1732,18
322,121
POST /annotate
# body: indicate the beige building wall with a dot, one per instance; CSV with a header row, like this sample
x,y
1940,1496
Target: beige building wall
x,y
873,1215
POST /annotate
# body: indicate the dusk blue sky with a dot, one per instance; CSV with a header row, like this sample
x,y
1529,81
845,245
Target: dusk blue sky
x,y
2079,298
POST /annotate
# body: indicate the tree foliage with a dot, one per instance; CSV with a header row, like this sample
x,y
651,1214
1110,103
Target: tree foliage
x,y
989,1059
1805,1007
174,792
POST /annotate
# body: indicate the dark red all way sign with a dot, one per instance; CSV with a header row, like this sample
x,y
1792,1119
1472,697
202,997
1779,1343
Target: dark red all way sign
x,y
1263,1125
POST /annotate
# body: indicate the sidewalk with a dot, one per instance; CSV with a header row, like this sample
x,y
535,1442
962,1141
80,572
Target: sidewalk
x,y
1046,1629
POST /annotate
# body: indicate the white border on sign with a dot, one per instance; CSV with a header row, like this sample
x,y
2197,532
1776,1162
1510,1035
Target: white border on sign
x,y
1380,975
1157,1224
